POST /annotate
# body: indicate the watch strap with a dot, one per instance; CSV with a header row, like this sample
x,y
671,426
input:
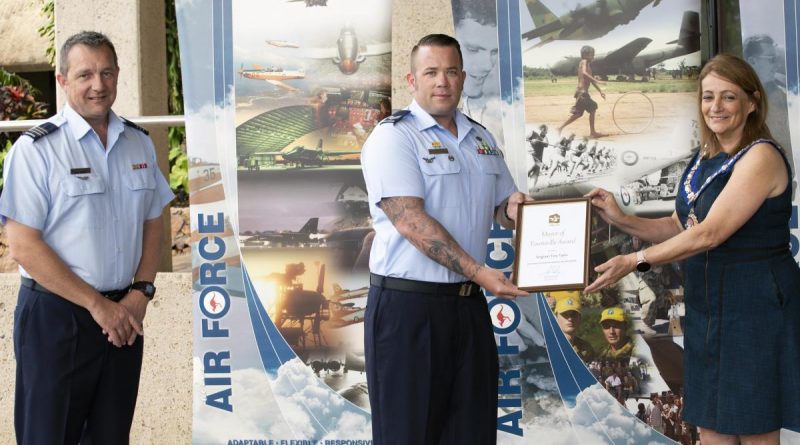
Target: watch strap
x,y
145,287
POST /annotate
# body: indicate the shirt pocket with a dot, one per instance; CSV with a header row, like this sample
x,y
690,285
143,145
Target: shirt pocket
x,y
85,204
442,180
140,186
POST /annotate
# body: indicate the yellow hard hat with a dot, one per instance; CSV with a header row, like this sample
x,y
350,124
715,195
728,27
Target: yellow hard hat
x,y
564,294
612,313
567,304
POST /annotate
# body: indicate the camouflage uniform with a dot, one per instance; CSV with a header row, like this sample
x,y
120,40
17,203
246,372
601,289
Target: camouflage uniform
x,y
610,354
583,349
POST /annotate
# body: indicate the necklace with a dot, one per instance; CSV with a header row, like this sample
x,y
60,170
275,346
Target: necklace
x,y
688,187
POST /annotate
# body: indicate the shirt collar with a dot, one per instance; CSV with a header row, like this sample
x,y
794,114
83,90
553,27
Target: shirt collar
x,y
426,121
80,127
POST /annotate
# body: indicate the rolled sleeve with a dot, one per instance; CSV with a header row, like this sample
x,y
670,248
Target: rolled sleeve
x,y
26,196
390,165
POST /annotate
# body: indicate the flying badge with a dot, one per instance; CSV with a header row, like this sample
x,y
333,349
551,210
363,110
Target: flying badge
x,y
139,166
429,160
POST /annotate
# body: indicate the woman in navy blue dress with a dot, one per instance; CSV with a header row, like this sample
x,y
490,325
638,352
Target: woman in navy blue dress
x,y
742,286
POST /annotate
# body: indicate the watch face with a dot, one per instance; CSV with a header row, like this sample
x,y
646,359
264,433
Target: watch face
x,y
643,266
148,289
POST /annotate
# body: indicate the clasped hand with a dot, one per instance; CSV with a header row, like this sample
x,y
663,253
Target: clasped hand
x,y
121,322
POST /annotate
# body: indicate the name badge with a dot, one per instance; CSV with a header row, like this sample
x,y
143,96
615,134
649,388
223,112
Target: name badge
x,y
139,166
80,171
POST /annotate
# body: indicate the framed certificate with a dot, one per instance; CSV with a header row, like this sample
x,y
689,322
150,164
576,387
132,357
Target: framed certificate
x,y
553,245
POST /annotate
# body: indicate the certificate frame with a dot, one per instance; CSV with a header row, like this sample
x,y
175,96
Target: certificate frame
x,y
552,254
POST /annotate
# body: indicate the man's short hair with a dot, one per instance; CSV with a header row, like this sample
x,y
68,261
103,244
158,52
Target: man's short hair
x,y
483,12
442,40
92,39
755,44
586,50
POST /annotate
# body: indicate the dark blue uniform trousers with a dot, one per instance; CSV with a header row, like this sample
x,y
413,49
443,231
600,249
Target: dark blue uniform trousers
x,y
431,368
72,384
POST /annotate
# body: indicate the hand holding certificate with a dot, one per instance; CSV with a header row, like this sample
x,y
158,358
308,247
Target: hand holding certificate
x,y
552,245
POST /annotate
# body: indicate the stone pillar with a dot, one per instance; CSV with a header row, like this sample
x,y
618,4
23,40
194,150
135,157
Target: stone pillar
x,y
412,20
136,27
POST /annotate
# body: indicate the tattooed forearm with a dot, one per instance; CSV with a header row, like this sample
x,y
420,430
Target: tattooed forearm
x,y
408,216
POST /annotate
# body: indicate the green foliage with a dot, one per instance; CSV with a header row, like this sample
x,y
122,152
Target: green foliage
x,y
566,86
179,167
48,30
3,151
536,73
13,80
17,102
178,159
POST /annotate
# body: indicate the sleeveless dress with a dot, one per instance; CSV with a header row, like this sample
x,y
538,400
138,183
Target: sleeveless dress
x,y
742,325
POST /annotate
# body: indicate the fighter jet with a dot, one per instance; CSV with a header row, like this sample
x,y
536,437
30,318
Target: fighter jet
x,y
584,22
308,234
347,54
301,157
629,60
273,75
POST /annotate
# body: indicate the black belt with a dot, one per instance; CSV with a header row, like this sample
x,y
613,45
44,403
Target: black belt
x,y
113,295
463,289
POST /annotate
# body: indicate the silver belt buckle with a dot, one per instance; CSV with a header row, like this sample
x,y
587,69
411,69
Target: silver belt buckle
x,y
466,290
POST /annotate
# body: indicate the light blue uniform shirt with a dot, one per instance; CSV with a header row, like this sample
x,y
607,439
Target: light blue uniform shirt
x,y
461,179
89,203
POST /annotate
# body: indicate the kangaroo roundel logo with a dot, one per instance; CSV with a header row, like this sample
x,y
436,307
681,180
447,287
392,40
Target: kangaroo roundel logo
x,y
214,302
503,315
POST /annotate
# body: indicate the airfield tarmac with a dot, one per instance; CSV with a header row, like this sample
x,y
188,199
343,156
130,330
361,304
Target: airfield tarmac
x,y
633,113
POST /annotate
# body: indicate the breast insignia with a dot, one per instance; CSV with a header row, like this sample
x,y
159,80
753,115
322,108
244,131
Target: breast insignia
x,y
134,126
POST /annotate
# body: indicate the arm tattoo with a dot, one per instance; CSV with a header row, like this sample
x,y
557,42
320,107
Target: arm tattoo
x,y
408,215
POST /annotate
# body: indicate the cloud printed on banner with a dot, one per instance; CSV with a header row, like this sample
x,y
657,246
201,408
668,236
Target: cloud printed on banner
x,y
598,418
313,410
256,414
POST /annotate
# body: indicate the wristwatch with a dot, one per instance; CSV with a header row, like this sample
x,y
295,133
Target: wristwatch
x,y
641,262
145,287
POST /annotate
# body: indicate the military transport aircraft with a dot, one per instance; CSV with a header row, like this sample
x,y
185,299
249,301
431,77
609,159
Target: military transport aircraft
x,y
584,22
629,60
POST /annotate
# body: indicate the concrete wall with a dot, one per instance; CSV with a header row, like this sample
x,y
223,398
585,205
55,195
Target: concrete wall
x,y
164,408
21,47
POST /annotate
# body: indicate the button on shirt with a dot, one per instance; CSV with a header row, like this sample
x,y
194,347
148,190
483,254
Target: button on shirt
x,y
461,179
89,202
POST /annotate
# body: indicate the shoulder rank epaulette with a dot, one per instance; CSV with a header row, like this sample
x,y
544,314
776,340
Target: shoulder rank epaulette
x,y
475,122
41,131
396,117
132,125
